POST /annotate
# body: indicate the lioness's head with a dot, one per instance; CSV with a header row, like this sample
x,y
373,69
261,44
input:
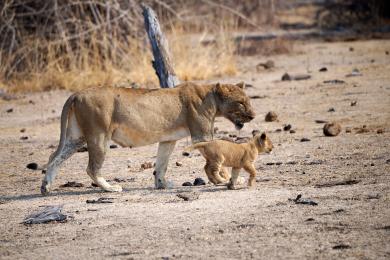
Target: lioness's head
x,y
234,104
263,143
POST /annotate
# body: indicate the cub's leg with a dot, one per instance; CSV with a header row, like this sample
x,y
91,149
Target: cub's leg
x,y
233,181
165,150
55,161
224,174
252,174
97,146
213,169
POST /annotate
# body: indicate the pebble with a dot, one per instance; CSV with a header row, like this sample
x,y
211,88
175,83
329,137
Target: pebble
x,y
287,127
292,131
113,146
187,183
304,139
199,181
323,69
271,116
32,166
179,164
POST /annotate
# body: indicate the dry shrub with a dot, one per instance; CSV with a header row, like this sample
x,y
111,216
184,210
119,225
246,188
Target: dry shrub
x,y
72,45
264,47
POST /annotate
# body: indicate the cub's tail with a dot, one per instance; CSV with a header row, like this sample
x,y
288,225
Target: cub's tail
x,y
195,146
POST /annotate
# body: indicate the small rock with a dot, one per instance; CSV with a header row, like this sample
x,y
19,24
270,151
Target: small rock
x,y
334,81
304,139
300,200
309,219
354,73
186,154
319,121
10,110
332,129
269,64
353,103
287,127
199,181
146,165
179,164
331,109
278,130
323,69
286,77
187,183
23,130
351,49
32,166
23,137
292,132
348,130
380,131
101,200
188,196
31,102
387,52
113,146
341,246
271,116
72,184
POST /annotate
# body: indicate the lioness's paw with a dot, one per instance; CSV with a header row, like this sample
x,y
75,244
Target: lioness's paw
x,y
114,188
160,184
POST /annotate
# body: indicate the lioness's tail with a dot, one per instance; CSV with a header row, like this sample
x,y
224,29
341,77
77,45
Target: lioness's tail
x,y
195,146
64,124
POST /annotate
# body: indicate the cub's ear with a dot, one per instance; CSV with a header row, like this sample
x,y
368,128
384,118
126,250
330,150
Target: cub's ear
x,y
255,132
241,84
263,136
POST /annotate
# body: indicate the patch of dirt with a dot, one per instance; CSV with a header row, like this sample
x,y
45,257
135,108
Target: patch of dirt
x,y
261,222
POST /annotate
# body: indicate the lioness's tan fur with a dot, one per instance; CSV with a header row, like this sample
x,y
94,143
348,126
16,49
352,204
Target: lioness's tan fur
x,y
221,153
137,117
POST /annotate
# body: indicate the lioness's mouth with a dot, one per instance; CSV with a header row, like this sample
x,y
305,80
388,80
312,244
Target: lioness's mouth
x,y
238,125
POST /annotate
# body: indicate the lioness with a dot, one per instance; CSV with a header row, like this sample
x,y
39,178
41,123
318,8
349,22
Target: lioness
x,y
220,153
137,117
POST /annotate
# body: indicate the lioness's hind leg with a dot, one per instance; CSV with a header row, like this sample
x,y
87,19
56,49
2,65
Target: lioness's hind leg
x,y
97,147
55,161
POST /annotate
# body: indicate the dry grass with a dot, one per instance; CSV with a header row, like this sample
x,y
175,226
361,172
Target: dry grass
x,y
192,61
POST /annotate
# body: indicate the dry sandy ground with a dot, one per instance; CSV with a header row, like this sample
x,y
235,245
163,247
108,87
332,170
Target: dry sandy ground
x,y
350,221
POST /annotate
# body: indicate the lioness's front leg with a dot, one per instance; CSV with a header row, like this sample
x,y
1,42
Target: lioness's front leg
x,y
165,150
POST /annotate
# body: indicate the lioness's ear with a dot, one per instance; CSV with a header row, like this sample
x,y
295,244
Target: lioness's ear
x,y
241,84
263,136
219,89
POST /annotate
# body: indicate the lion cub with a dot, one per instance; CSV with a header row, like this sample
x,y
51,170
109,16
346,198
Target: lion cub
x,y
219,153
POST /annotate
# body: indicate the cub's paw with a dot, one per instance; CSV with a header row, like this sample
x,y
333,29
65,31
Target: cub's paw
x,y
240,180
231,186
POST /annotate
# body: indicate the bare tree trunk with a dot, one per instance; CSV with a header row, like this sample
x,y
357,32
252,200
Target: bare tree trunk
x,y
162,63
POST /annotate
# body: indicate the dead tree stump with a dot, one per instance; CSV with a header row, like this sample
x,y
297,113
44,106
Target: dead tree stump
x,y
162,63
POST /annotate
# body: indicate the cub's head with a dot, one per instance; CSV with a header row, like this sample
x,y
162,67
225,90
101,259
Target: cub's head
x,y
262,141
234,104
